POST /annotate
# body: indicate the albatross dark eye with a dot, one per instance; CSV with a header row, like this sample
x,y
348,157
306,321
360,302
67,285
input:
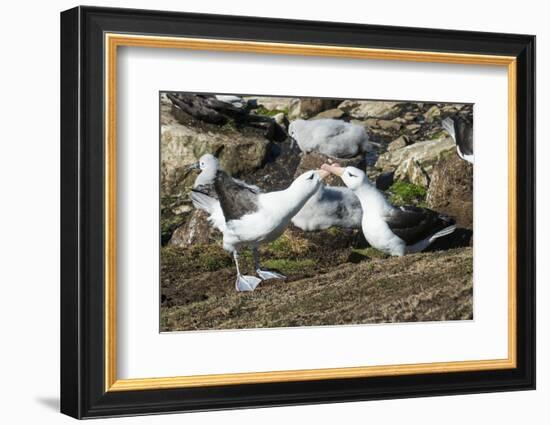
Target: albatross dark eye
x,y
351,175
310,177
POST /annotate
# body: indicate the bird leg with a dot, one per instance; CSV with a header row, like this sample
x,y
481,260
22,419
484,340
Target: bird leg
x,y
264,274
244,283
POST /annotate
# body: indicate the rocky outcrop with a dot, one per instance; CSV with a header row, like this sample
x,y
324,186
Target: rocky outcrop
x,y
272,103
196,230
364,109
451,189
309,107
415,162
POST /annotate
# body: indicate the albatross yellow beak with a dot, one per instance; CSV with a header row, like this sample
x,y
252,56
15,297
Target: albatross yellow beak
x,y
333,169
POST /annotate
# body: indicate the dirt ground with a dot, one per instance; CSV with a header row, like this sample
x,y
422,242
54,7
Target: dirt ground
x,y
342,285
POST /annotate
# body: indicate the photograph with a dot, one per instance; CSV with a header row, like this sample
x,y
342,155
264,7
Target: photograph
x,y
308,211
300,208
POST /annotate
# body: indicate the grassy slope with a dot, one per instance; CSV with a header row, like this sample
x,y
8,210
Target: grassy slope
x,y
346,287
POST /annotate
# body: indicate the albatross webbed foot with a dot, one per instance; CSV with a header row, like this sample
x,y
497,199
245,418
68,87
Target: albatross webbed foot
x,y
246,283
268,274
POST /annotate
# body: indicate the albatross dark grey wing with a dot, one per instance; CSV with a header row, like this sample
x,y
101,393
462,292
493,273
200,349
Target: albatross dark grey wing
x,y
236,199
413,224
464,135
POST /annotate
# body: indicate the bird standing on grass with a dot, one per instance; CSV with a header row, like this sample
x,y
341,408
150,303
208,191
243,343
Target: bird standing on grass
x,y
253,218
390,229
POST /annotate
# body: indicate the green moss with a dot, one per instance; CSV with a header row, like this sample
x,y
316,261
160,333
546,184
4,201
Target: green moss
x,y
334,231
290,266
403,193
279,248
230,126
270,112
200,258
369,252
439,135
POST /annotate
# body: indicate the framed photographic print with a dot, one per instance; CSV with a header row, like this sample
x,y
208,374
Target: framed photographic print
x,y
261,212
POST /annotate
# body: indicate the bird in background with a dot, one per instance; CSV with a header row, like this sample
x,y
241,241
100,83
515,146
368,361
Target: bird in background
x,y
460,129
331,137
390,229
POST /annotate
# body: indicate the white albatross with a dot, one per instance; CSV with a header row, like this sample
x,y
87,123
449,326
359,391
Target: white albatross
x,y
335,138
252,218
390,229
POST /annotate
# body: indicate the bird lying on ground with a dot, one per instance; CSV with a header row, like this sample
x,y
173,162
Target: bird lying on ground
x,y
253,218
330,206
393,230
335,138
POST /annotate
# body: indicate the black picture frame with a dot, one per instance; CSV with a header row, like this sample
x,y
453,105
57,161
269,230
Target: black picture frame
x,y
83,392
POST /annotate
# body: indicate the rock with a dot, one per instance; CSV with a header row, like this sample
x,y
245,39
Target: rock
x,y
309,107
451,189
425,154
280,119
330,113
433,112
363,109
398,143
389,125
384,180
197,230
410,170
272,103
369,122
181,145
413,127
410,116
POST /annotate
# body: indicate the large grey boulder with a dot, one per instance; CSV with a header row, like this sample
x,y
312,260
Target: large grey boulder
x,y
309,107
364,109
414,163
451,189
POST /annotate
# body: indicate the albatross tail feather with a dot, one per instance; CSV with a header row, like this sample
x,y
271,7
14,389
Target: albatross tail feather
x,y
425,243
444,232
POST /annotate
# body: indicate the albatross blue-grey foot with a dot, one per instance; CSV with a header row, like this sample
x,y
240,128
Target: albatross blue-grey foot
x,y
244,283
263,273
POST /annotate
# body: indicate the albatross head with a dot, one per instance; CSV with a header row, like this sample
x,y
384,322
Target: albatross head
x,y
206,162
351,176
308,182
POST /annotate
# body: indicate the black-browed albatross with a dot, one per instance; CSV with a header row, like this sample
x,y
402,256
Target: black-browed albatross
x,y
253,218
390,229
460,129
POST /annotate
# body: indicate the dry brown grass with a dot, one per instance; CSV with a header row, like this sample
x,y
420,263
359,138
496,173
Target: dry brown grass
x,y
326,290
